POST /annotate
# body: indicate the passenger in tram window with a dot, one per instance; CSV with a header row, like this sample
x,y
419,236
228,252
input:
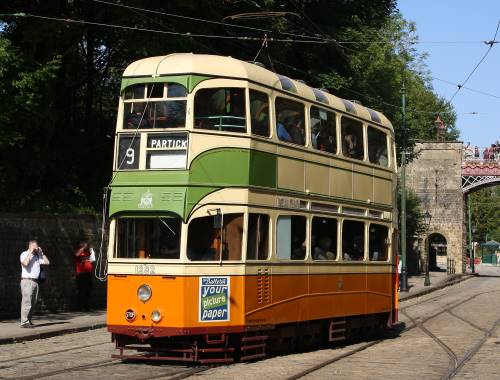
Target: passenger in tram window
x,y
259,111
281,130
315,133
357,252
350,144
322,251
138,118
298,248
381,157
297,131
171,250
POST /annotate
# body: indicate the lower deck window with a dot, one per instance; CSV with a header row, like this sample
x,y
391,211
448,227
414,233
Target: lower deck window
x,y
353,240
324,239
148,238
379,243
209,240
291,237
258,237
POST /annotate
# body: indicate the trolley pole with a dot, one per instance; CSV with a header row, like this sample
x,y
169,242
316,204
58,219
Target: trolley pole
x,y
404,273
471,244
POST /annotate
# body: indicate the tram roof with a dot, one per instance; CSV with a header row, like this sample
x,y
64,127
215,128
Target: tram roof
x,y
221,66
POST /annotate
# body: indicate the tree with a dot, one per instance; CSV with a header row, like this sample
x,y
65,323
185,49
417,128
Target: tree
x,y
61,80
485,214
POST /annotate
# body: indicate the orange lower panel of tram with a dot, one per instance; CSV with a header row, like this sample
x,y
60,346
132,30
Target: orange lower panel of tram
x,y
254,300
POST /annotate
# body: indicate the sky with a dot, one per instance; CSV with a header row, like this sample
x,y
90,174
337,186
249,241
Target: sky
x,y
463,22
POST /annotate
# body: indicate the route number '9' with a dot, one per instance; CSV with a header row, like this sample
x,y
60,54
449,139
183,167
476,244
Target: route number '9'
x,y
128,152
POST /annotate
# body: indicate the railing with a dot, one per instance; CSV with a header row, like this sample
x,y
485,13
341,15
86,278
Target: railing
x,y
450,266
488,154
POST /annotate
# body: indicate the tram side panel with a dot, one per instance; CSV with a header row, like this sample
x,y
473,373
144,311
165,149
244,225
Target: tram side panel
x,y
292,298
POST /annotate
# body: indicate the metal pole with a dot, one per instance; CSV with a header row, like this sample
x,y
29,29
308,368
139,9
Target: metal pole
x,y
404,273
471,248
427,281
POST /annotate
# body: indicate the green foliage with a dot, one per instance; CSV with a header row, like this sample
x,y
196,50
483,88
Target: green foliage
x,y
485,214
415,225
60,81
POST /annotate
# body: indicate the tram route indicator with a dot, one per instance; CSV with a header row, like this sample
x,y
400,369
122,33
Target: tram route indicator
x,y
214,304
167,142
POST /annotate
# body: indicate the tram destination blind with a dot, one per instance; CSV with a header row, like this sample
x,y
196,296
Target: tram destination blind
x,y
128,152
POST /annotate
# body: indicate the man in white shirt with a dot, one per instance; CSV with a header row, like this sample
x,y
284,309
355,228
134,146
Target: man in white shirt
x,y
30,273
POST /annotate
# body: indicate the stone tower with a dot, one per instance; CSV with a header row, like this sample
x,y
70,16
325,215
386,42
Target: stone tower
x,y
435,177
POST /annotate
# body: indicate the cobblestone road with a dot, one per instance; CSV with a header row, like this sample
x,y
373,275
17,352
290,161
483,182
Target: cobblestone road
x,y
456,317
85,355
443,331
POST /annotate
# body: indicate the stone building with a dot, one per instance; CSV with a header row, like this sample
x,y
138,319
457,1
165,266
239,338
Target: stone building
x,y
57,235
435,176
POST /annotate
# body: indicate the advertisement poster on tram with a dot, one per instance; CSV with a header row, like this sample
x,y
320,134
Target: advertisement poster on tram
x,y
214,299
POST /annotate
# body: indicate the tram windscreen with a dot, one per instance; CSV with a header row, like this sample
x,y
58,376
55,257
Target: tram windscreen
x,y
148,238
144,108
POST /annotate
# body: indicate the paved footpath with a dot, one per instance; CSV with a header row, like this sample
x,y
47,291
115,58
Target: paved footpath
x,y
48,325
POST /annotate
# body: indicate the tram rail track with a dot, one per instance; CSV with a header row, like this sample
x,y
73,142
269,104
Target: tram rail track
x,y
41,375
456,363
19,358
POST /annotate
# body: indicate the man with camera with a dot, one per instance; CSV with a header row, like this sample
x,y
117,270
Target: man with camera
x,y
30,278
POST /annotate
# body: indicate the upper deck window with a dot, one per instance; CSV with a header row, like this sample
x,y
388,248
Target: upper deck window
x,y
374,115
220,109
349,107
259,113
148,238
320,96
290,121
323,130
140,111
287,84
377,147
352,138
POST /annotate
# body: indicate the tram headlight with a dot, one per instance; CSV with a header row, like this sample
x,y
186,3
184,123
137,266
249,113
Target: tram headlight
x,y
144,293
156,316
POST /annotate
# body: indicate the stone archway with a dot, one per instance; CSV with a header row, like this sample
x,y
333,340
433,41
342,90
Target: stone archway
x,y
438,252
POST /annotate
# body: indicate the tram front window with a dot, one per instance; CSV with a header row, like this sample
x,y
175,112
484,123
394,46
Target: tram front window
x,y
207,240
148,238
141,111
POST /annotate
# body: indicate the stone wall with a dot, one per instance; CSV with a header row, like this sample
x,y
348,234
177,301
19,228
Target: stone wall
x,y
435,176
56,235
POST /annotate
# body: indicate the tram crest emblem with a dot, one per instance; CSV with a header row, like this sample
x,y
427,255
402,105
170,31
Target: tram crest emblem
x,y
146,200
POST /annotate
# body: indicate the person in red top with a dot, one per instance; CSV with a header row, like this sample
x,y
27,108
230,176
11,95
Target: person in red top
x,y
84,259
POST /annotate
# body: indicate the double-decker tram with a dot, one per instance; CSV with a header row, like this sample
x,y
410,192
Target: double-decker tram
x,y
248,212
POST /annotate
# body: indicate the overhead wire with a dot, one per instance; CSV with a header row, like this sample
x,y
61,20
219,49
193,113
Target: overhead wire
x,y
491,44
207,21
101,270
138,29
466,88
310,40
